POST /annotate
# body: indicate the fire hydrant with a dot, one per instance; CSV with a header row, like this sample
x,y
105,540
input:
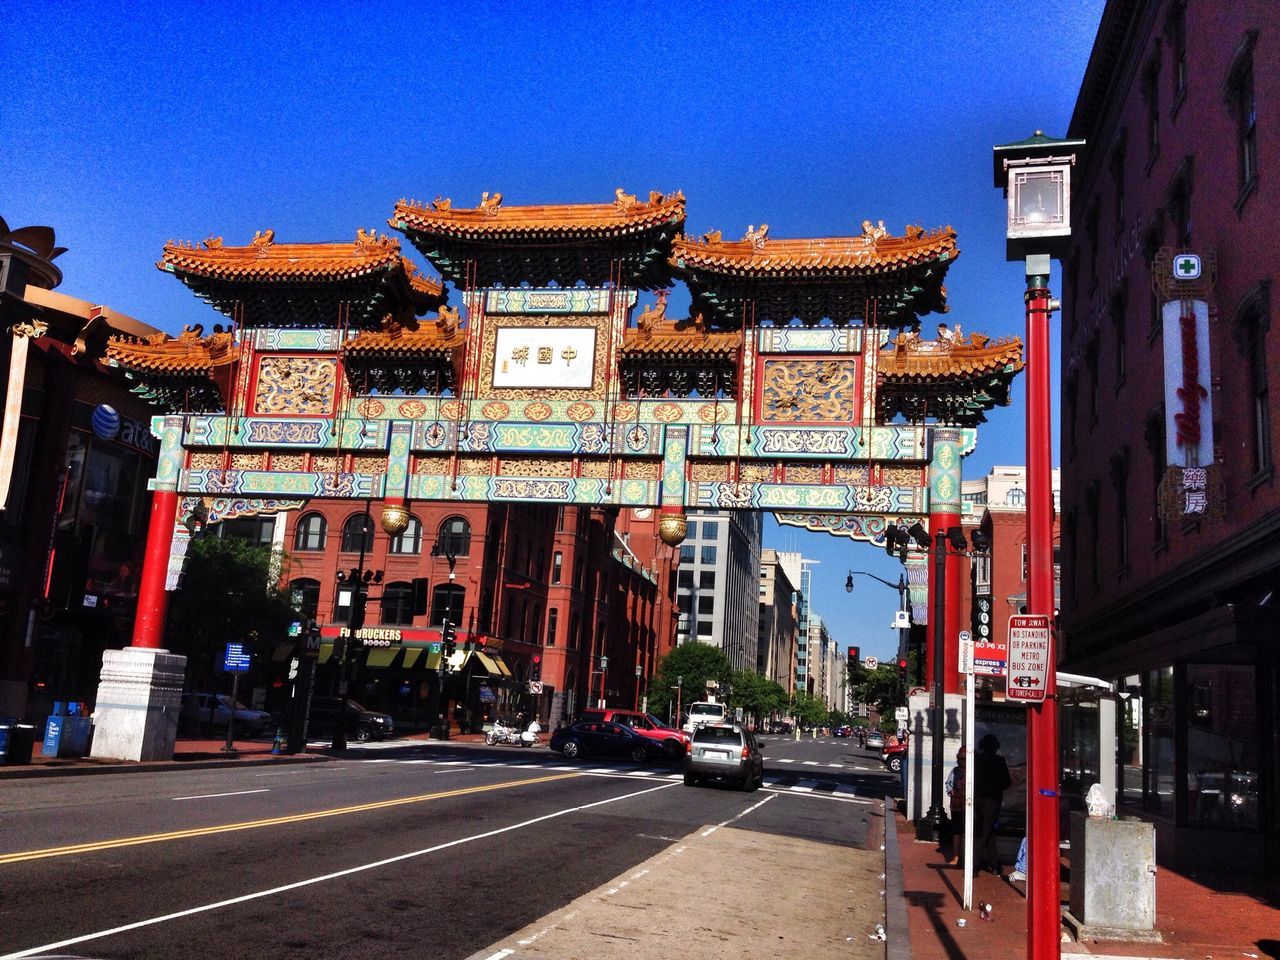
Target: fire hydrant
x,y
277,745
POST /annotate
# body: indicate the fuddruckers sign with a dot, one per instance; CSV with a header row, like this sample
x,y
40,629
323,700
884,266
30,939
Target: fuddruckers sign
x,y
1190,486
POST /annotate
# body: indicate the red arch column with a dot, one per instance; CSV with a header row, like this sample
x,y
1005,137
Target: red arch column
x,y
944,512
153,599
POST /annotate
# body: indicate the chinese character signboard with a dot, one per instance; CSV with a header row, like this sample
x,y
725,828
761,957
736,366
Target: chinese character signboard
x,y
1030,657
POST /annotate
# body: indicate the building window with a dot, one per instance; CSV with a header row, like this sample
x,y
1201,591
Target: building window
x,y
1026,562
687,553
1120,483
560,519
1091,508
706,580
1015,497
1252,321
1072,397
557,564
408,540
1155,437
1117,185
1073,552
1178,48
310,534
709,554
357,534
1242,99
704,628
1118,309
573,632
685,579
1180,207
1091,238
454,537
1091,359
1151,96
304,594
397,605
707,604
446,604
553,621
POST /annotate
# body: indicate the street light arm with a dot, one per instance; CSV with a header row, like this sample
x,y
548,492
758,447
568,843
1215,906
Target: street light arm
x,y
900,586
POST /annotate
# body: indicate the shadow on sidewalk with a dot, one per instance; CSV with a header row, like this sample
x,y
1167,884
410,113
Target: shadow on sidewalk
x,y
931,905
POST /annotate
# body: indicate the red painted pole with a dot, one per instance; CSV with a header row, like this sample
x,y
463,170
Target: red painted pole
x,y
1044,912
940,523
148,623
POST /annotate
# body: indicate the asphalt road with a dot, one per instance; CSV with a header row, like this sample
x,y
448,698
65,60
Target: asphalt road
x,y
407,849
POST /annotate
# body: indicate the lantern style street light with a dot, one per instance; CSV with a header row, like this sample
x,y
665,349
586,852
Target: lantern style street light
x,y
1035,175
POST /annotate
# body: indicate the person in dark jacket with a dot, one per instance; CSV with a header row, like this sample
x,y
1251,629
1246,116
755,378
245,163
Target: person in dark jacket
x,y
990,780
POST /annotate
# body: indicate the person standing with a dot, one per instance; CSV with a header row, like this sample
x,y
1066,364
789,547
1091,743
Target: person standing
x,y
955,793
990,780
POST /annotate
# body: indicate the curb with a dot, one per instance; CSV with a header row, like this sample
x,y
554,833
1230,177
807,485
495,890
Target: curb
x,y
897,937
34,772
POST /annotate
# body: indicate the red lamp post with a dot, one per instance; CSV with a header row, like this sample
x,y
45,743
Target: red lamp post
x,y
1035,175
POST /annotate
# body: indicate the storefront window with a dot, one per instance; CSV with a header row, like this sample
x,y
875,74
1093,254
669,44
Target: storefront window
x,y
1129,737
1158,768
1222,746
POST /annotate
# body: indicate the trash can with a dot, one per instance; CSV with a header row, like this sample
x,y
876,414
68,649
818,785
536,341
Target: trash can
x,y
16,741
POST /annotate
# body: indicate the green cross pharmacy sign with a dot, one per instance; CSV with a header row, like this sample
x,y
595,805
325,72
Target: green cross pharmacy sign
x,y
1186,266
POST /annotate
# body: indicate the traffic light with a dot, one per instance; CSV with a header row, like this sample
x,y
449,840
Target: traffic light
x,y
902,670
448,639
855,664
358,599
535,667
419,596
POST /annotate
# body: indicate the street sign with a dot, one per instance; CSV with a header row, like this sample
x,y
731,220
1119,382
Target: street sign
x,y
311,642
966,652
900,714
236,659
535,686
871,663
1029,657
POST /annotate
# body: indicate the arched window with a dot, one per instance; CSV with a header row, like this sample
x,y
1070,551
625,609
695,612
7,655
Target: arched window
x,y
351,533
310,533
454,537
446,604
1016,497
397,605
304,594
409,540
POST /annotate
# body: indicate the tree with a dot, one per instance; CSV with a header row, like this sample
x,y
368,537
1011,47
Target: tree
x,y
809,710
881,689
757,696
230,592
692,664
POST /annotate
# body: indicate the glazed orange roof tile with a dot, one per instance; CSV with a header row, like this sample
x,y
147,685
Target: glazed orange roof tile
x,y
874,251
439,336
187,355
950,357
491,218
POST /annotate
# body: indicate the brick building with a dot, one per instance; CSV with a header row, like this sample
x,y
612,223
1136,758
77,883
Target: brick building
x,y
1173,596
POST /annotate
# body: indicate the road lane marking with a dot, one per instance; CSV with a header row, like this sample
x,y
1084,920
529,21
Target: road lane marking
x,y
338,874
725,823
236,793
95,846
838,797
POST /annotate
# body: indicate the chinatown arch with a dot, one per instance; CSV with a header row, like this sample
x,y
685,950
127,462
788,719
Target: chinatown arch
x,y
799,384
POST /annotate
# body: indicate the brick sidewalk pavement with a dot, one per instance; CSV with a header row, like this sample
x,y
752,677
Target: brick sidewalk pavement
x,y
1199,917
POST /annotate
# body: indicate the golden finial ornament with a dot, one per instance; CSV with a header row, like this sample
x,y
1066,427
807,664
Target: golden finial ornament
x,y
395,518
672,528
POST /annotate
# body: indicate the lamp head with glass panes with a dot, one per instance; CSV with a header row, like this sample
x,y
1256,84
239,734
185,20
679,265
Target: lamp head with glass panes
x,y
1035,174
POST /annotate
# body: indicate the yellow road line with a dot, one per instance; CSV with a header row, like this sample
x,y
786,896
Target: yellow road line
x,y
23,856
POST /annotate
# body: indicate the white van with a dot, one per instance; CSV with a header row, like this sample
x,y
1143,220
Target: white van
x,y
704,712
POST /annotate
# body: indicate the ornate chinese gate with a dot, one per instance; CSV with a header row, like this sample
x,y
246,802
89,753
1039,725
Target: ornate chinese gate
x,y
799,384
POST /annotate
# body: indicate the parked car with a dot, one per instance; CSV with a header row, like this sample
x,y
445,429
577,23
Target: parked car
x,y
598,737
724,751
360,725
200,710
875,740
704,712
842,732
895,755
647,725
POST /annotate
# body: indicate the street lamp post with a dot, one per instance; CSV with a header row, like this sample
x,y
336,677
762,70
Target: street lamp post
x,y
1035,175
639,675
904,609
604,665
358,578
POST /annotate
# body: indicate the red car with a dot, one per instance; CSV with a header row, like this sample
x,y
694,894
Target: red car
x,y
672,741
894,755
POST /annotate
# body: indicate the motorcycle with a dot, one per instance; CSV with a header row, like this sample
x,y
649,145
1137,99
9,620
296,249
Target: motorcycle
x,y
510,733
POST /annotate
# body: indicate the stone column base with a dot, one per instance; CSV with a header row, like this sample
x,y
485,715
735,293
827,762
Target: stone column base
x,y
139,696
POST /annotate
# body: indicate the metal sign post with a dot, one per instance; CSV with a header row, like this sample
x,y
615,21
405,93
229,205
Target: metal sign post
x,y
235,661
1029,657
970,712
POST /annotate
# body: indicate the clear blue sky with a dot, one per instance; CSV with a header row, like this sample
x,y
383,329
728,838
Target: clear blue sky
x,y
126,125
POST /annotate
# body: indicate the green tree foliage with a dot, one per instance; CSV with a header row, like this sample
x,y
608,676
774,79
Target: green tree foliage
x,y
881,689
229,593
694,663
809,710
757,696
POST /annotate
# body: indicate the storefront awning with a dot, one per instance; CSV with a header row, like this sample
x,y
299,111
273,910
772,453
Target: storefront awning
x,y
411,655
381,656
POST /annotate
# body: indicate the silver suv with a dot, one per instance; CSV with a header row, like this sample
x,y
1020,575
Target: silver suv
x,y
724,751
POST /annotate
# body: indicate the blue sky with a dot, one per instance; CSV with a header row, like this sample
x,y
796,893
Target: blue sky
x,y
126,125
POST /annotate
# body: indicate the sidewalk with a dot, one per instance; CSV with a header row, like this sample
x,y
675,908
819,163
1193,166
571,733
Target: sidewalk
x,y
1198,917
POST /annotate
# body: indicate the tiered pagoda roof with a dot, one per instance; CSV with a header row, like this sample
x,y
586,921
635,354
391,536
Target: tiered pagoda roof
x,y
662,357
189,372
426,357
952,380
304,284
562,244
873,278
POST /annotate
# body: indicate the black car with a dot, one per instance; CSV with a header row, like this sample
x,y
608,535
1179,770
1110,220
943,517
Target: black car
x,y
599,737
361,724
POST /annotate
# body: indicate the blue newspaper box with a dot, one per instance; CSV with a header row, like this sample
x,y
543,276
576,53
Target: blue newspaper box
x,y
66,736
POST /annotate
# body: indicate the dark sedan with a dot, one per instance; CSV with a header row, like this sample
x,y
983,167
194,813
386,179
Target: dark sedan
x,y
600,737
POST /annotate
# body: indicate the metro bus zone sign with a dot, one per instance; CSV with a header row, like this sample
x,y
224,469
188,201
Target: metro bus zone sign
x,y
1030,657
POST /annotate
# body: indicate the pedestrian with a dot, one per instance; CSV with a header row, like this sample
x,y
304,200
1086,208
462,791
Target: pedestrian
x,y
955,795
990,780
797,732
